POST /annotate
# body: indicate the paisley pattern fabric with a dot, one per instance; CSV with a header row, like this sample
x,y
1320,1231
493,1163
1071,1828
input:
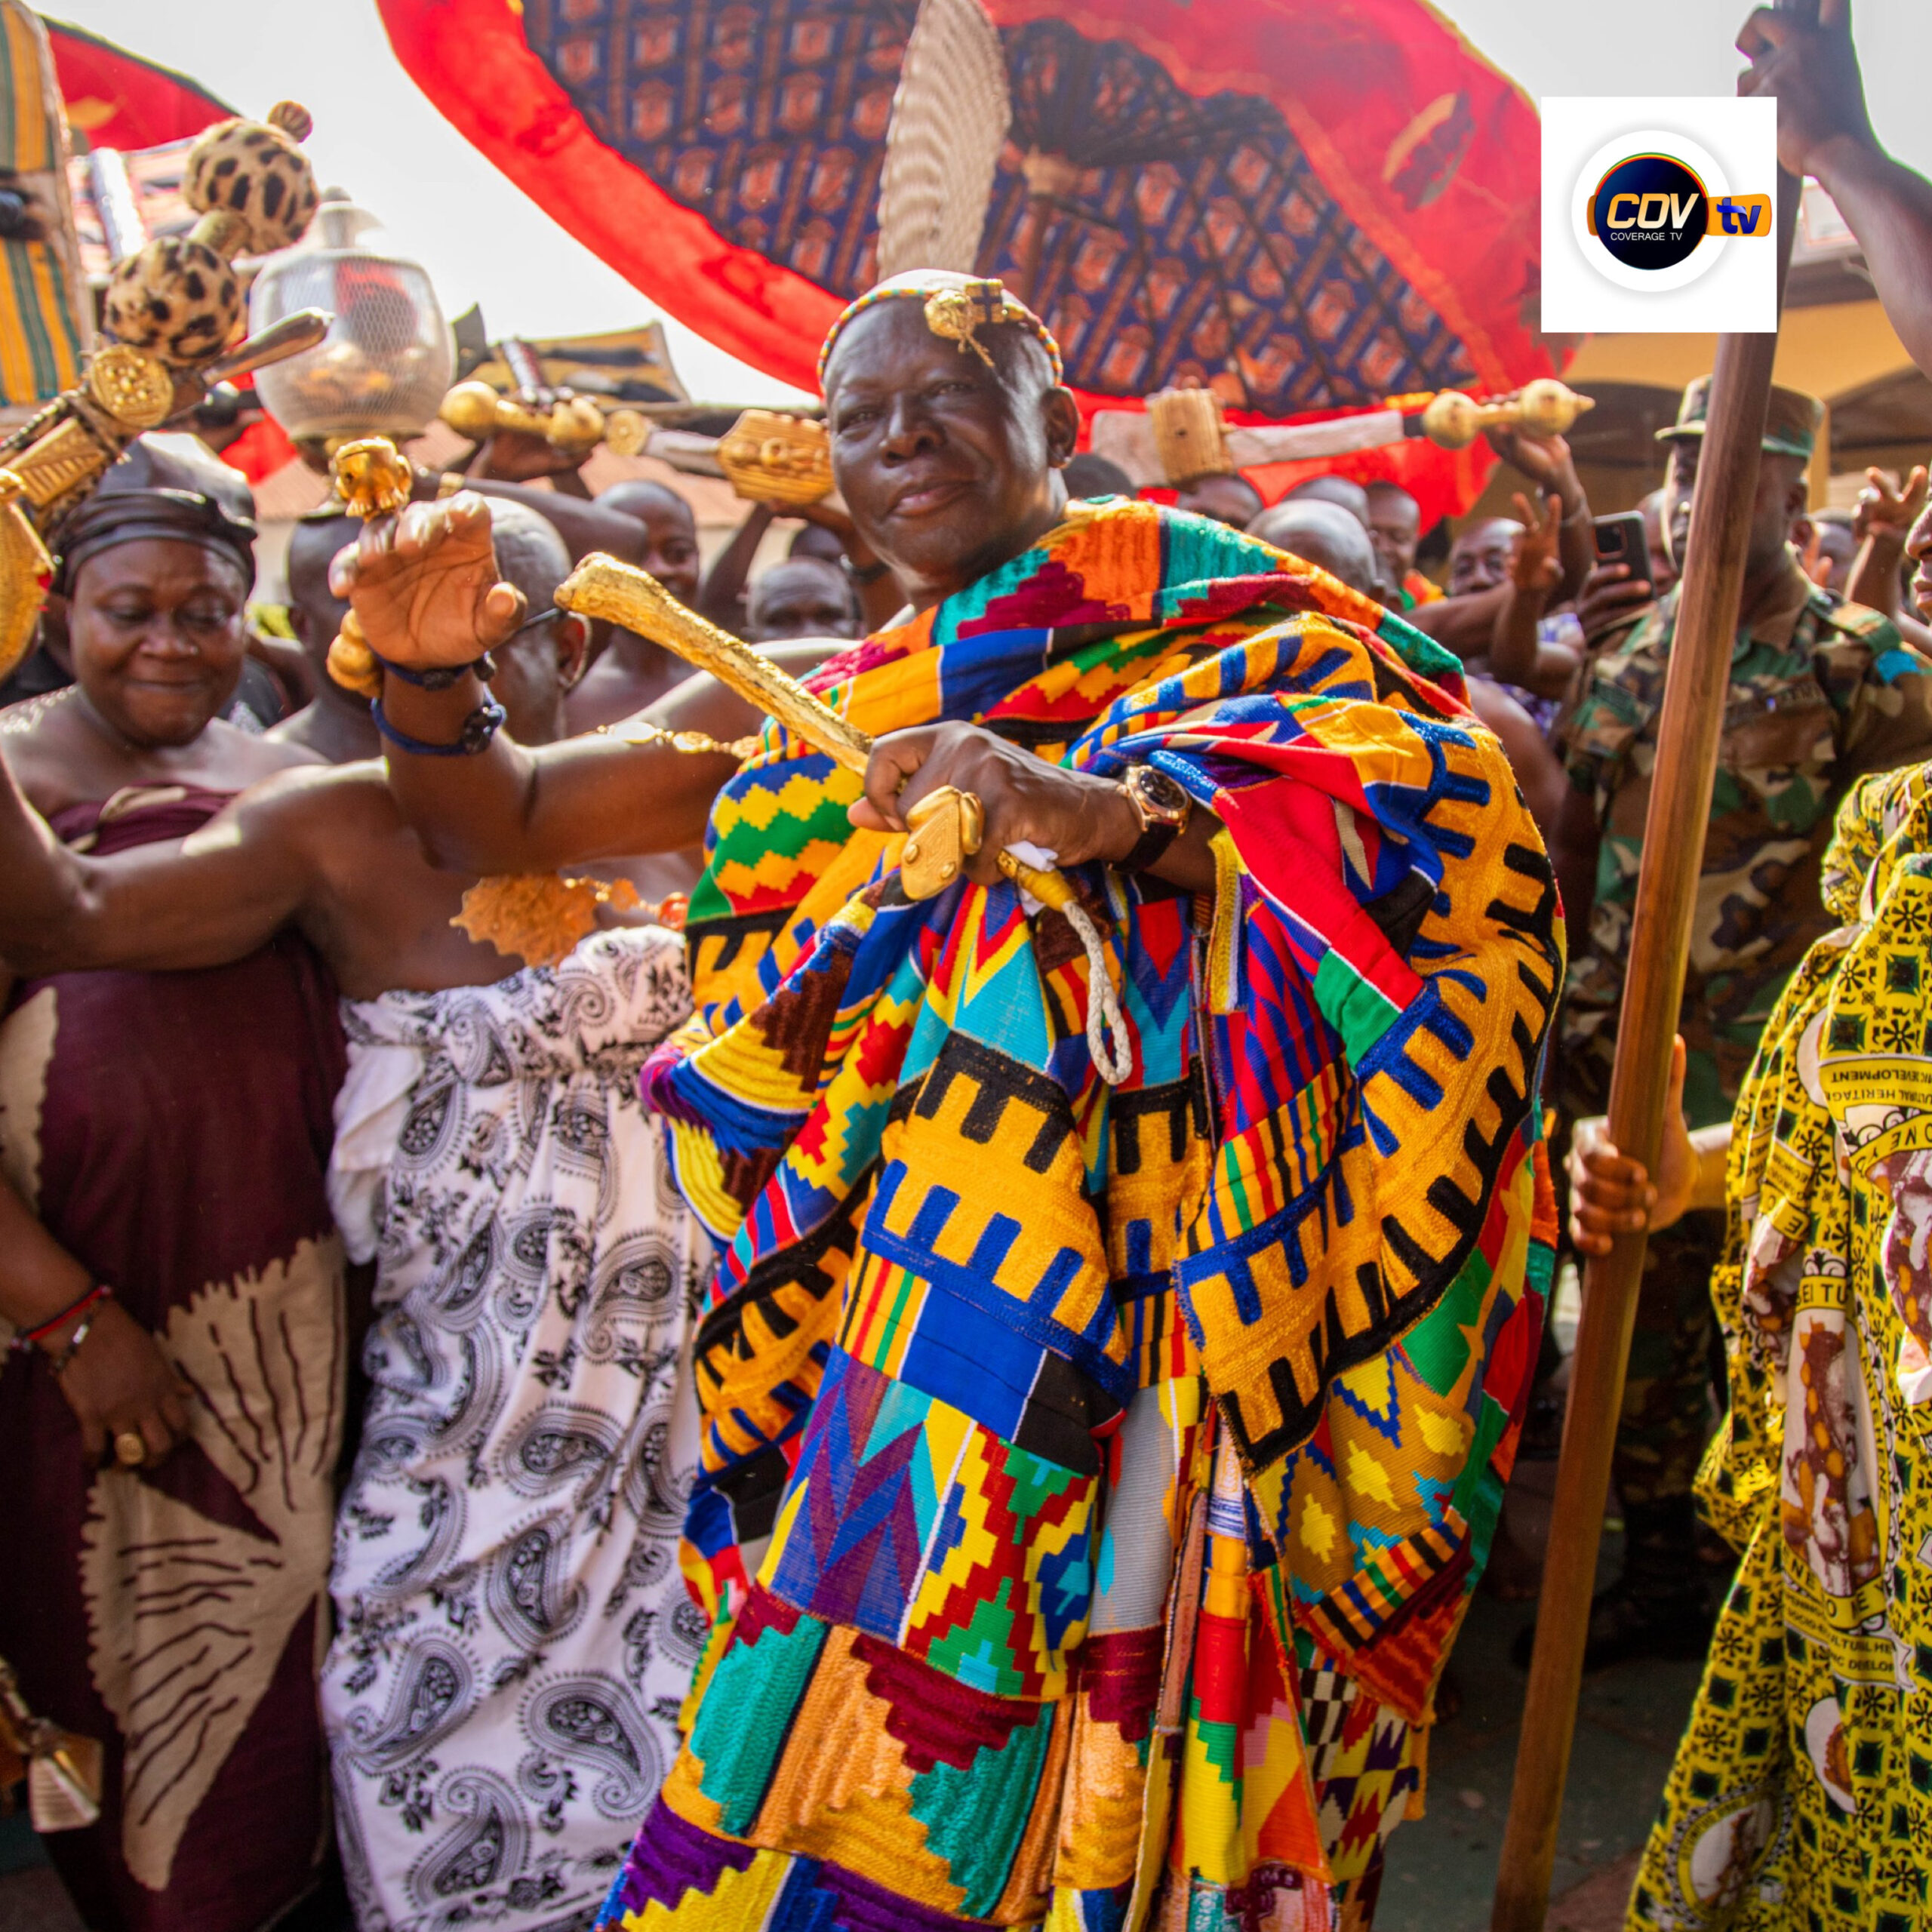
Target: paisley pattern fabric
x,y
981,1319
513,1638
1802,1792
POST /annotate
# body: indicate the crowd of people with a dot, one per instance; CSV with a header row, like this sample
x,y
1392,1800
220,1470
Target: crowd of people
x,y
807,1405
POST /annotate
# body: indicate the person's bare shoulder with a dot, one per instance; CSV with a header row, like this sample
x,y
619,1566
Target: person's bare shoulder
x,y
252,756
43,749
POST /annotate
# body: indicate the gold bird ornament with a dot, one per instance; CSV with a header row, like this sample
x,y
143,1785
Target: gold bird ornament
x,y
373,479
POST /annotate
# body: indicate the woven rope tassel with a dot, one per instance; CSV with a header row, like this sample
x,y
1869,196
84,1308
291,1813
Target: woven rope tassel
x,y
949,119
1106,1027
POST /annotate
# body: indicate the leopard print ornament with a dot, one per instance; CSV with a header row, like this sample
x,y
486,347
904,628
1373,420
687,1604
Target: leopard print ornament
x,y
253,173
176,298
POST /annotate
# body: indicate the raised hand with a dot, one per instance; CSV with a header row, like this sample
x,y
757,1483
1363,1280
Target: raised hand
x,y
1535,565
1812,73
1545,461
1611,598
424,584
1887,509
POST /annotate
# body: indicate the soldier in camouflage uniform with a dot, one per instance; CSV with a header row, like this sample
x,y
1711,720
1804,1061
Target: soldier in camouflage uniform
x,y
1822,692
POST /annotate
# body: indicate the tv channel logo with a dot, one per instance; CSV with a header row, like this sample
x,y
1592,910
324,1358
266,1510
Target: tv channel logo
x,y
1649,226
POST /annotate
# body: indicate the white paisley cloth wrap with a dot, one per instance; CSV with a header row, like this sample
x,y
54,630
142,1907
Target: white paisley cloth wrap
x,y
513,1637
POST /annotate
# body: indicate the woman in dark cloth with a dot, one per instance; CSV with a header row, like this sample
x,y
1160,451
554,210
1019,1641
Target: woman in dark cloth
x,y
169,1444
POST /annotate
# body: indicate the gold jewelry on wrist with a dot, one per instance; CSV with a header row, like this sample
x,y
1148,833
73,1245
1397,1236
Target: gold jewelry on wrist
x,y
696,743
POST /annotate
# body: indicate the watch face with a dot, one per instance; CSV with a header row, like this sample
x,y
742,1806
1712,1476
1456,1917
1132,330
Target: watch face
x,y
1161,794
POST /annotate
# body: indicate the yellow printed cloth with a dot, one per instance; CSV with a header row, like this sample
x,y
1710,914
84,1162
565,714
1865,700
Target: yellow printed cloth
x,y
1802,1792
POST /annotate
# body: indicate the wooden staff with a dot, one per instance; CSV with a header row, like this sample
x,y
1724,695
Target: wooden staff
x,y
1696,686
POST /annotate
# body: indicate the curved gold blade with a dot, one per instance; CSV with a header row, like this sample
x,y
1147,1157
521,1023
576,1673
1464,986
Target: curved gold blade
x,y
26,571
601,586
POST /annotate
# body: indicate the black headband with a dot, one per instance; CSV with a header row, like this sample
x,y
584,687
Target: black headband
x,y
111,517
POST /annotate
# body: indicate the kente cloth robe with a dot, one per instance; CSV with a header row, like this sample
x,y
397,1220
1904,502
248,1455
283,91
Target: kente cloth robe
x,y
1094,1477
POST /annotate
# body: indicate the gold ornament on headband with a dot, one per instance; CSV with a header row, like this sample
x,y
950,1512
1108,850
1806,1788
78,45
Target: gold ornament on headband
x,y
958,314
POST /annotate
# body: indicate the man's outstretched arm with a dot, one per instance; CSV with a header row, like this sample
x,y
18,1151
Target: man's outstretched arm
x,y
424,591
215,896
1823,129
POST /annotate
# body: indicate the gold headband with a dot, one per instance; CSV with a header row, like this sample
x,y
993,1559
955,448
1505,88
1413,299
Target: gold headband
x,y
956,312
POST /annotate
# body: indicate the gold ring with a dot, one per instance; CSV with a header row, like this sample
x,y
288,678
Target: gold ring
x,y
131,1448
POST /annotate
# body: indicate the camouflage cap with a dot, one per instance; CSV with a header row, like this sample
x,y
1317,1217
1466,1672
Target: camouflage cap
x,y
1791,423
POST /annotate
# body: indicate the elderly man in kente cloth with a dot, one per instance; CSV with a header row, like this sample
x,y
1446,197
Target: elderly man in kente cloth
x,y
1097,1461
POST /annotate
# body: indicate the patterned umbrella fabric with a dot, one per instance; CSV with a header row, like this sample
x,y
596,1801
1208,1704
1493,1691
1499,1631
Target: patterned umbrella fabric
x,y
1308,206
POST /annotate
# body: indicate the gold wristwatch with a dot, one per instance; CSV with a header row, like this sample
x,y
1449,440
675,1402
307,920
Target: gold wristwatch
x,y
1162,808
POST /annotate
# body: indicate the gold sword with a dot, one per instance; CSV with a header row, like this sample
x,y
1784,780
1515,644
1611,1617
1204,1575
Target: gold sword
x,y
943,829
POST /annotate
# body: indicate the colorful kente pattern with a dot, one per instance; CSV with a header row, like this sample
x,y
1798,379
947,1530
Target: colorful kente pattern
x,y
1802,1791
981,1319
1195,244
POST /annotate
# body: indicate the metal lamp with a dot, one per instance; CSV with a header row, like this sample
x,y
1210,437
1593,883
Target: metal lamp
x,y
386,363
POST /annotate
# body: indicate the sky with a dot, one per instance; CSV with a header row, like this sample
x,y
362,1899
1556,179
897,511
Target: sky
x,y
483,240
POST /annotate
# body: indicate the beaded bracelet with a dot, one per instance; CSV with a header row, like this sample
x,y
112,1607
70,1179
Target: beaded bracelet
x,y
35,1336
440,677
478,728
82,1330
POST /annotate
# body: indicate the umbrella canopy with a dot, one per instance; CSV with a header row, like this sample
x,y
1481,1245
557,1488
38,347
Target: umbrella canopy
x,y
1307,206
117,100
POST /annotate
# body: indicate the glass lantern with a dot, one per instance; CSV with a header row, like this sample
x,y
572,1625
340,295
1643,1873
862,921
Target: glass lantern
x,y
388,360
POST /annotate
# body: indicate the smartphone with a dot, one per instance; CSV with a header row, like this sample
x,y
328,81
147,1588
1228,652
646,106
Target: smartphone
x,y
1620,540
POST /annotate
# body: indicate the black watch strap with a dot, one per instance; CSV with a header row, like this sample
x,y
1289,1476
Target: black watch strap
x,y
1149,847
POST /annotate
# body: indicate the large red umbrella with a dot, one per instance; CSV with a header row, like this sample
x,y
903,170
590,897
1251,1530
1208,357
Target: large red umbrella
x,y
118,99
1308,207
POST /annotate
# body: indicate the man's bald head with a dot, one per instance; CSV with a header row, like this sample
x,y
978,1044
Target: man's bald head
x,y
1324,534
802,597
1233,501
544,657
1351,497
1479,558
641,497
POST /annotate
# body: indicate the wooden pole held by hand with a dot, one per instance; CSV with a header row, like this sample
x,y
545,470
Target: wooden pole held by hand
x,y
1696,687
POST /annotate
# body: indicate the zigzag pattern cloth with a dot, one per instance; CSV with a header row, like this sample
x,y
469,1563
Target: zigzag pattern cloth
x,y
981,1318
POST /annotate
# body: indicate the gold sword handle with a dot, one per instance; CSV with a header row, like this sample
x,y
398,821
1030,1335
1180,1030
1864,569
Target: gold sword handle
x,y
943,830
26,571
